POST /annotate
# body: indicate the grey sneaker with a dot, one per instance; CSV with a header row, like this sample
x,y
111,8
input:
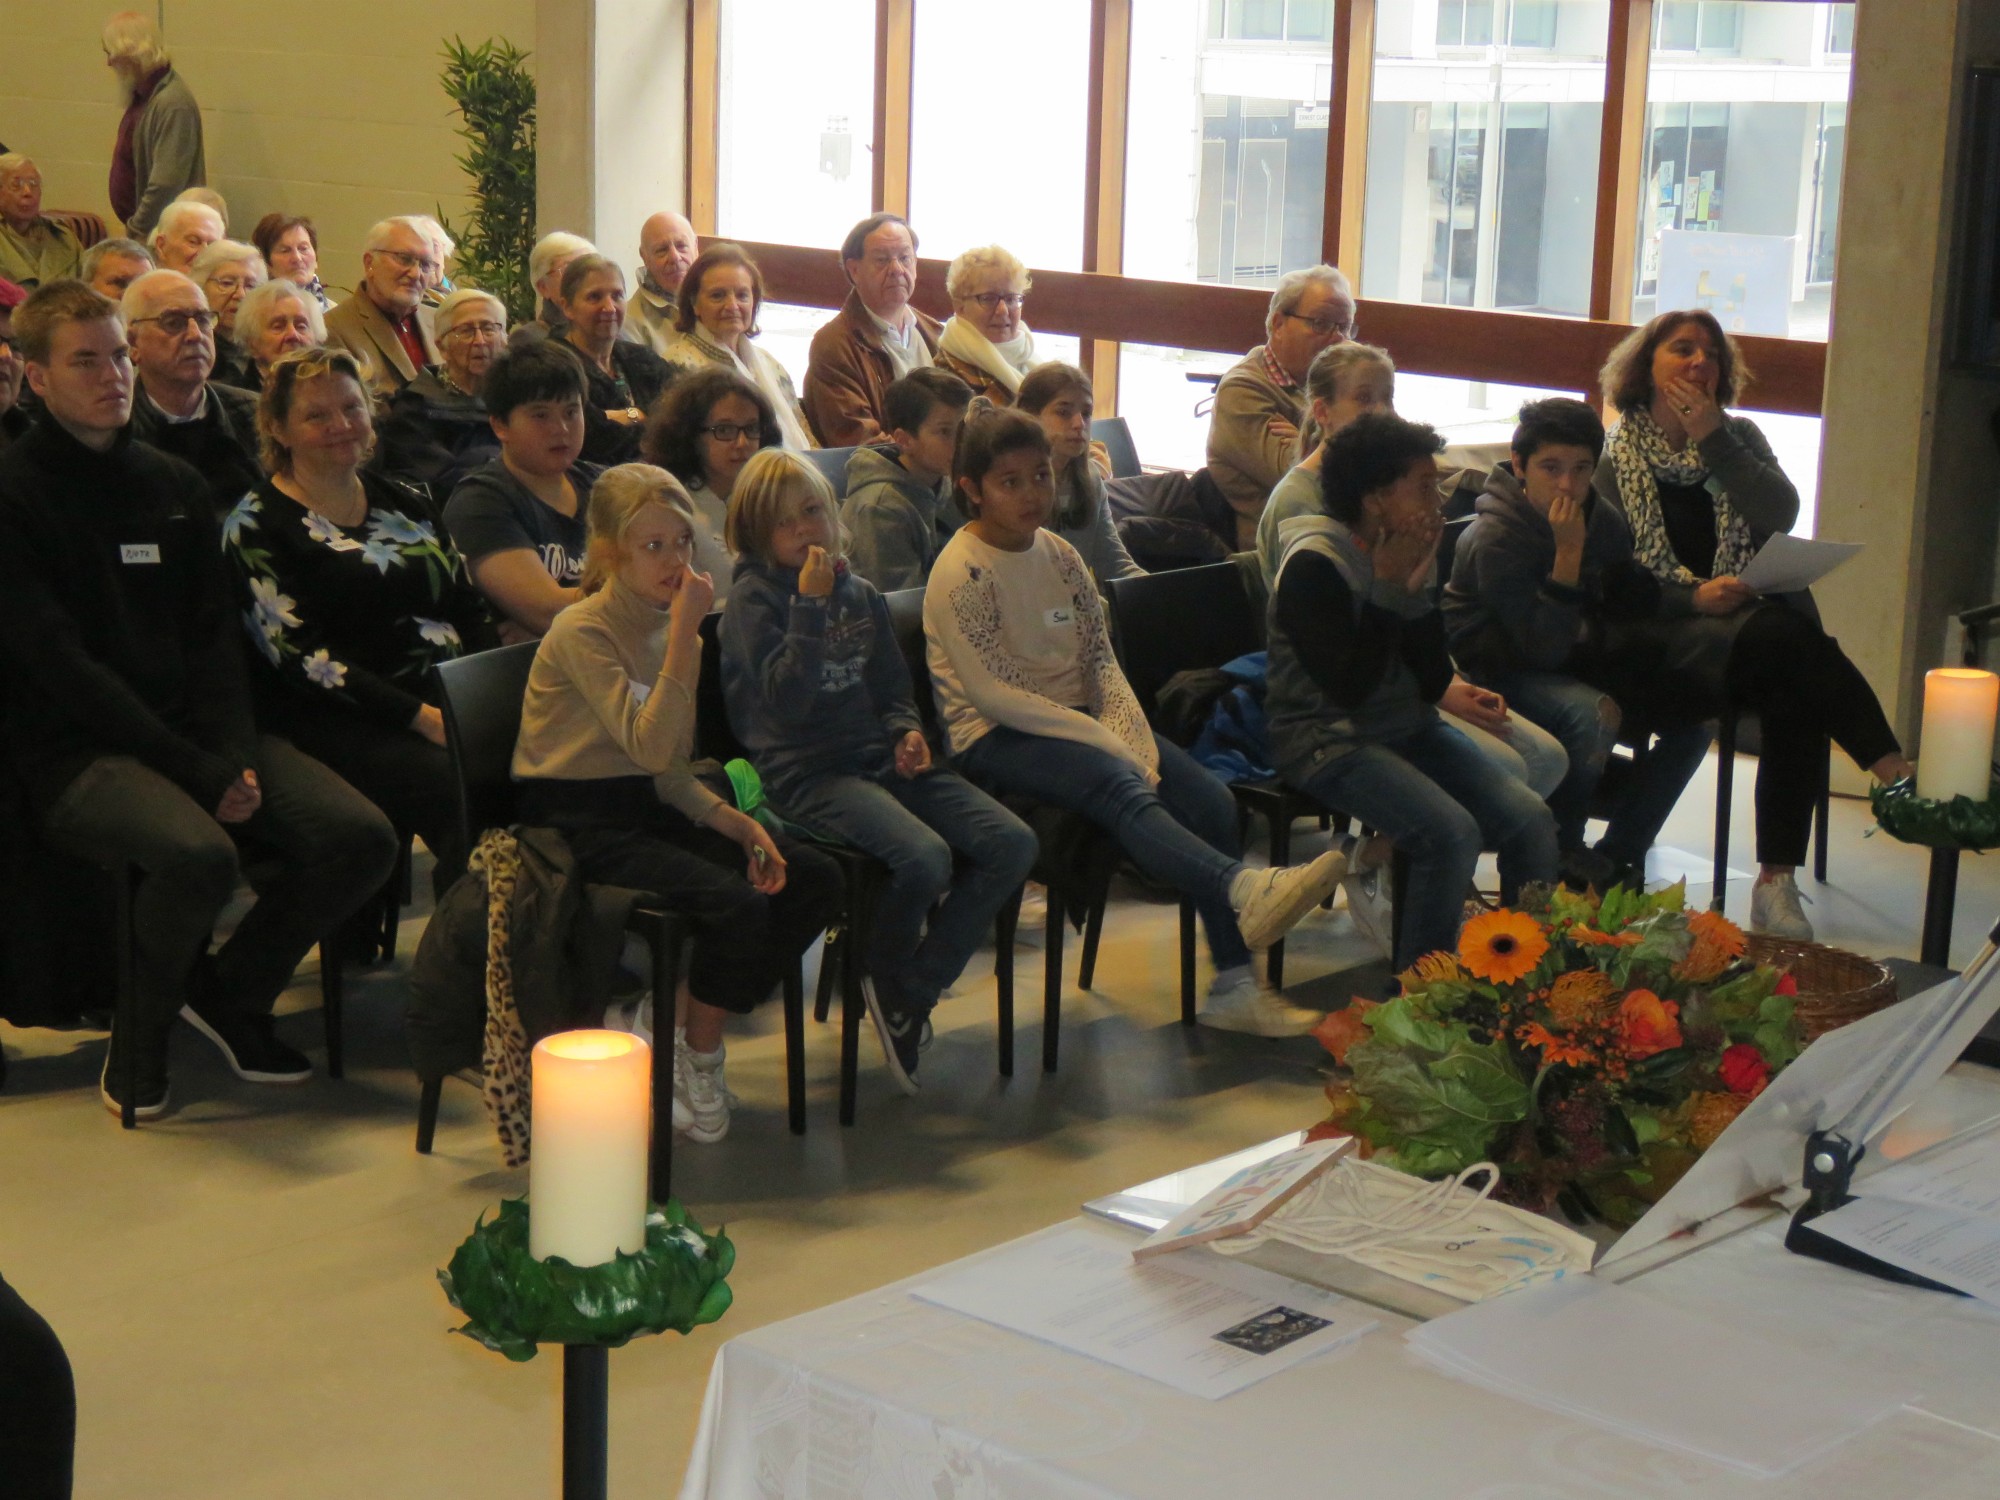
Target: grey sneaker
x,y
707,1098
1270,902
1236,1002
1775,909
1370,905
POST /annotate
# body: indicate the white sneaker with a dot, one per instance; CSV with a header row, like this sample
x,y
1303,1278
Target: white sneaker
x,y
707,1097
1775,909
1269,902
1370,904
681,1055
1236,1002
1032,928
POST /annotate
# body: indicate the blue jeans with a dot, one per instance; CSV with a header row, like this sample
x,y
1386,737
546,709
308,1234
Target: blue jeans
x,y
1182,832
1440,801
915,827
1574,712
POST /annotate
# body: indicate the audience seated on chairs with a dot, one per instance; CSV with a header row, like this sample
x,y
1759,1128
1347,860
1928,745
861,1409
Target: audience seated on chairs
x,y
128,723
1357,666
379,325
1702,492
604,756
1260,406
986,341
716,324
438,285
114,264
184,231
225,271
1035,706
667,247
290,246
899,510
703,434
13,368
275,319
1059,396
33,249
820,695
436,430
547,261
208,197
519,522
175,406
623,379
1547,606
875,338
158,150
350,592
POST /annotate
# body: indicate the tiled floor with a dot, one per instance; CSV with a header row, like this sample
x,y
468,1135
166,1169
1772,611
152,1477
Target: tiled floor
x,y
246,1287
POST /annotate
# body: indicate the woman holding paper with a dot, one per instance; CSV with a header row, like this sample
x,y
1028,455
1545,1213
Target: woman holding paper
x,y
1703,492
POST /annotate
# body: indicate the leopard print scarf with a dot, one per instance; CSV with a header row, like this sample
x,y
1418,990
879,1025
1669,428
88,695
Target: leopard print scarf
x,y
1642,459
504,1054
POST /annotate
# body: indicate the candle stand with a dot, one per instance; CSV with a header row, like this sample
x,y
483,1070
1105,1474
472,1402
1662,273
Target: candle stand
x,y
1947,827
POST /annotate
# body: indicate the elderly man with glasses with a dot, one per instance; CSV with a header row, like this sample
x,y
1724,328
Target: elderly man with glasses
x,y
176,407
379,323
33,248
1260,406
875,339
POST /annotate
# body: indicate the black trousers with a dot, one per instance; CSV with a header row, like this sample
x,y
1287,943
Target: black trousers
x,y
399,771
746,942
37,1405
1804,691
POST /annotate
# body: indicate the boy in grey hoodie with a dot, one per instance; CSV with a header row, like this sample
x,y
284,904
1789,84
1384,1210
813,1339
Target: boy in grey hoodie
x,y
898,513
1547,606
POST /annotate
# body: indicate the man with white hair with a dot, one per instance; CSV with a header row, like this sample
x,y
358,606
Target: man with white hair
x,y
109,266
379,323
667,247
158,153
176,407
546,263
33,248
1260,406
186,229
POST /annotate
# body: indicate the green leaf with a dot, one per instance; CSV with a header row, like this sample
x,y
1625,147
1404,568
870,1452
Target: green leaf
x,y
1646,1127
1434,1094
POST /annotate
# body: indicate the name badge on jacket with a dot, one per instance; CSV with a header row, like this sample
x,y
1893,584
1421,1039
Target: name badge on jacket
x,y
139,552
1058,617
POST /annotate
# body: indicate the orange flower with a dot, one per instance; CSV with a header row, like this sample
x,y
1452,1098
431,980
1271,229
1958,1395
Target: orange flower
x,y
1430,969
1343,1028
1576,995
1714,927
1647,1024
1705,960
1709,1115
1555,1051
1590,937
1501,946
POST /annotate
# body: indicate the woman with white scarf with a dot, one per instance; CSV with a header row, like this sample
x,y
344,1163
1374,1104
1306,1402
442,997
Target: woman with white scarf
x,y
715,321
1703,492
986,342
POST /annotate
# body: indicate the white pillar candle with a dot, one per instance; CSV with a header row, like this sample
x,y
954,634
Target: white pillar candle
x,y
592,1128
1955,758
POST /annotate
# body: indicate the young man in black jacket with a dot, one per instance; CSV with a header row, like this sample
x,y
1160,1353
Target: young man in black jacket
x,y
128,722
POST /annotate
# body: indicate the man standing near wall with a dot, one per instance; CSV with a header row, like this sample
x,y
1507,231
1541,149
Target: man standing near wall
x,y
158,154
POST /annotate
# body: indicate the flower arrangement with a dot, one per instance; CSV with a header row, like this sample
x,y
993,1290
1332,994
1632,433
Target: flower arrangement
x,y
1592,1047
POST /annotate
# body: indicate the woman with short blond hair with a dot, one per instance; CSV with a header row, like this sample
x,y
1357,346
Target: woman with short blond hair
x,y
986,342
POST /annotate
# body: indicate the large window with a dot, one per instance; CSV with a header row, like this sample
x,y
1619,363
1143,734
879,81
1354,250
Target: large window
x,y
1483,138
796,172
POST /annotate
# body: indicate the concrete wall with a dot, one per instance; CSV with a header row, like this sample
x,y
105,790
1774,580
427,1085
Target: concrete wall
x,y
329,110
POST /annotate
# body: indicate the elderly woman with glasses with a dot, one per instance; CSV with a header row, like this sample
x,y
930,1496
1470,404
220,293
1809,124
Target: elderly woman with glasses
x,y
715,322
290,246
703,433
436,429
275,319
224,272
986,342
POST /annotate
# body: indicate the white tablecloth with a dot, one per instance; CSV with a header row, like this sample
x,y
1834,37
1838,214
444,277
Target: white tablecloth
x,y
883,1397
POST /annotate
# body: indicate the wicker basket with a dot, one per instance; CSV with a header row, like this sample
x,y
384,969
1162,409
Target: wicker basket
x,y
1835,987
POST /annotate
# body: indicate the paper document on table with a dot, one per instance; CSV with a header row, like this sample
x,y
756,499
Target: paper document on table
x,y
1960,1176
1785,564
1960,1250
1203,1325
1650,1369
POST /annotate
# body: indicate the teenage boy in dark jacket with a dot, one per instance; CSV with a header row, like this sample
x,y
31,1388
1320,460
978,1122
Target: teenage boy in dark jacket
x,y
1547,606
899,513
127,718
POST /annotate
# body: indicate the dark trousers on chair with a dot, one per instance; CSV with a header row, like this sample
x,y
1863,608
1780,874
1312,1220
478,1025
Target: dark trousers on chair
x,y
37,1405
402,773
332,850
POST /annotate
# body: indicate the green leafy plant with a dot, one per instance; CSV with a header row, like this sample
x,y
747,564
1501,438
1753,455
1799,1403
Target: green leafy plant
x,y
495,95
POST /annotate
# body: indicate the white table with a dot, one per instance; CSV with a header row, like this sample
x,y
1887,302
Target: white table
x,y
889,1398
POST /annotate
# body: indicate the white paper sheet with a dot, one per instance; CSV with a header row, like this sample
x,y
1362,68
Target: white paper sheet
x,y
1786,564
1961,1176
1192,1321
1649,1369
1961,1250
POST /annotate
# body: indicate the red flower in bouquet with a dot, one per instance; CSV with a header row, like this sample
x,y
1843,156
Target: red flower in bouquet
x,y
1743,1070
1647,1024
1786,985
1502,946
1343,1028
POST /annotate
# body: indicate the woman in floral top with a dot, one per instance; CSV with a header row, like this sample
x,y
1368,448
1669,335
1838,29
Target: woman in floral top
x,y
352,592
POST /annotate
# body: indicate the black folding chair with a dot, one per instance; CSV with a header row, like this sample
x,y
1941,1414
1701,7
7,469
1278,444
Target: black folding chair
x,y
1116,435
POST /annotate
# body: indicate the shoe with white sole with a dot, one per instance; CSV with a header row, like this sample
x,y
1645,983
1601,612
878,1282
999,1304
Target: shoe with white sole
x,y
1032,926
1236,1002
707,1097
899,1032
1371,906
1776,910
1268,903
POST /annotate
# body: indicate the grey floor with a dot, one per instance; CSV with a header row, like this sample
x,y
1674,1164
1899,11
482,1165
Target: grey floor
x,y
246,1287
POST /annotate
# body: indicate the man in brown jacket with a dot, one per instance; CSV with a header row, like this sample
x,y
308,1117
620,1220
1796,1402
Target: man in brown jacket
x,y
874,340
1260,406
379,325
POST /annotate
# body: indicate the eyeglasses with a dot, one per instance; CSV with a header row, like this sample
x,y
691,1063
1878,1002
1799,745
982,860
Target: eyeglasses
x,y
1324,326
174,322
410,262
729,432
991,300
475,331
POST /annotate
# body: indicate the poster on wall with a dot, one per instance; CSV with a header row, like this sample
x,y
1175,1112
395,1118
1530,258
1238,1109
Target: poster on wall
x,y
1744,279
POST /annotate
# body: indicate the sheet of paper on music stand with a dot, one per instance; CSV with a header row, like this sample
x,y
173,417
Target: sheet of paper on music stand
x,y
1785,564
1648,1368
1960,1250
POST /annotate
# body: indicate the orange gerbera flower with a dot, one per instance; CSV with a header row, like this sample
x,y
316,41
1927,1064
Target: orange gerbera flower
x,y
1555,1051
1343,1028
1576,995
1590,937
1714,927
1501,946
1647,1024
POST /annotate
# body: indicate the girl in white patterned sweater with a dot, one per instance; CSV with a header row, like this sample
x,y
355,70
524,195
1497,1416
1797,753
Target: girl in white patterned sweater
x,y
1034,704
